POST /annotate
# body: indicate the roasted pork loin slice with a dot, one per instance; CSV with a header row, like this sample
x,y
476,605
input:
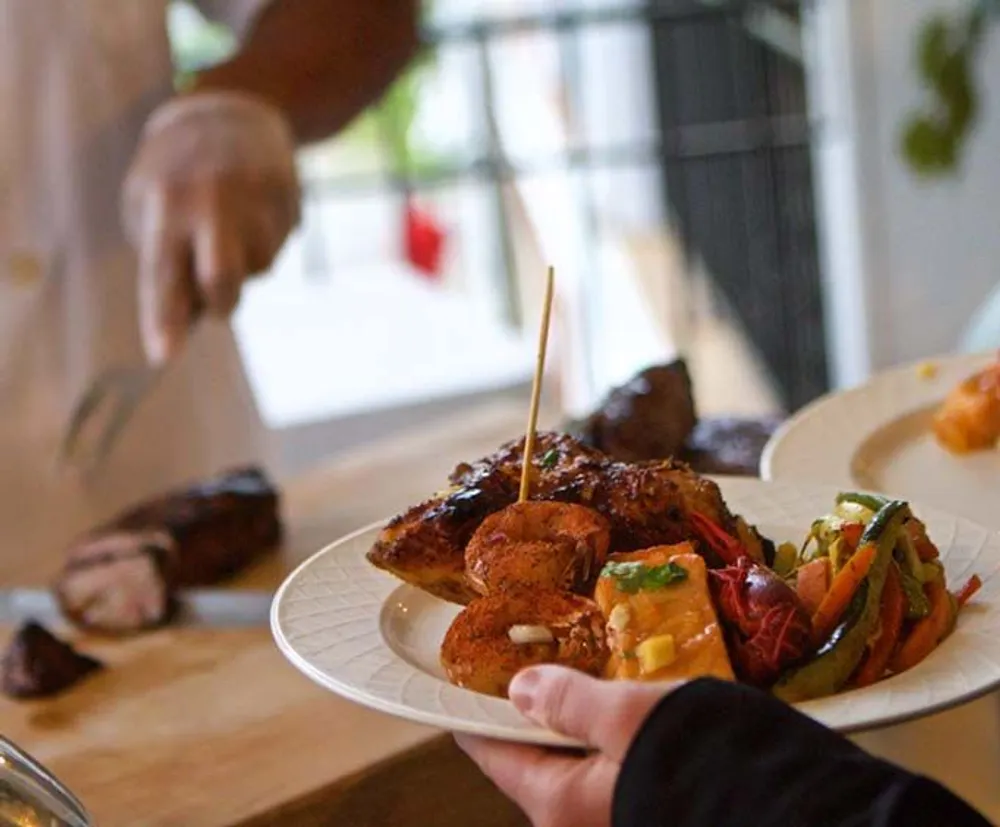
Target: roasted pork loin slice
x,y
124,576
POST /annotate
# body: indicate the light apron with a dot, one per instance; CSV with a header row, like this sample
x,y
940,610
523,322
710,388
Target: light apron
x,y
78,78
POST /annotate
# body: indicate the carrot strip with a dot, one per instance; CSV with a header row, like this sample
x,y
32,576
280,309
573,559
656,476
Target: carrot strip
x,y
842,589
891,621
972,585
927,633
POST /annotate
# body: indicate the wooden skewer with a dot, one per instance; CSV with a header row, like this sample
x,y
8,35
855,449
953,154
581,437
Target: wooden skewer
x,y
536,388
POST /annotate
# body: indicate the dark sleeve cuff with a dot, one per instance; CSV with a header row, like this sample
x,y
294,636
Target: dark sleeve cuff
x,y
721,754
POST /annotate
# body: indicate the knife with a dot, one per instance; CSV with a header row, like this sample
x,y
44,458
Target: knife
x,y
204,608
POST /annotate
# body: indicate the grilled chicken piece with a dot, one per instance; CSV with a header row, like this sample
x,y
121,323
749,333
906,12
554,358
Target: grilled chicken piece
x,y
123,576
425,546
559,459
37,664
646,504
495,637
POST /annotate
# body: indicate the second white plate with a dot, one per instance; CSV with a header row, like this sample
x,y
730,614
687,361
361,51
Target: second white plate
x,y
360,633
878,437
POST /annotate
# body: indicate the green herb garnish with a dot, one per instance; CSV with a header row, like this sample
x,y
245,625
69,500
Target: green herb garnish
x,y
550,458
631,577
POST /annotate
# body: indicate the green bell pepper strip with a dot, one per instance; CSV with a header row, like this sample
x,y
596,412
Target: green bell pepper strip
x,y
837,658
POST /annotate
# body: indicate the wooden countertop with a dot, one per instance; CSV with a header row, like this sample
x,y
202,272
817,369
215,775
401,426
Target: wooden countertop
x,y
200,728
213,728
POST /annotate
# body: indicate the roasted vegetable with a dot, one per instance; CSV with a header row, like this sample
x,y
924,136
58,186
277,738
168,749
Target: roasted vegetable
x,y
812,582
838,657
842,591
874,503
785,557
767,626
926,634
917,604
965,594
890,625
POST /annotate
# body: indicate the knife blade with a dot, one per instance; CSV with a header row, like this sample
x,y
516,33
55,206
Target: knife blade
x,y
200,608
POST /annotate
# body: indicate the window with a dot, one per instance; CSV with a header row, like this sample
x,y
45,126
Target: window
x,y
534,131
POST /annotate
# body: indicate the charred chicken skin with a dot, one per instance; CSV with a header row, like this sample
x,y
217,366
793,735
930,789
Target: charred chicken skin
x,y
645,504
546,545
494,638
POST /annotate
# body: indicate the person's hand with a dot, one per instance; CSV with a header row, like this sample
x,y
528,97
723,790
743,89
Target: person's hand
x,y
211,195
562,789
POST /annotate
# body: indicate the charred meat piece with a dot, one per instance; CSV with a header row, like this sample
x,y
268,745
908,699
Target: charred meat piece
x,y
558,460
650,503
425,546
649,417
729,445
123,576
646,504
37,664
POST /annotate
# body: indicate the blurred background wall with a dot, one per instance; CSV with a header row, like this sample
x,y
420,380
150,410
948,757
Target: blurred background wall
x,y
911,258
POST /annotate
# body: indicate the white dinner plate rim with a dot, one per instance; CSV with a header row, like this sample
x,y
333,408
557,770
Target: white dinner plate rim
x,y
838,471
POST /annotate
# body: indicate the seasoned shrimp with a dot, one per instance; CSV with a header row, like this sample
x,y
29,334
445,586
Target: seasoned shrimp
x,y
969,419
494,638
547,545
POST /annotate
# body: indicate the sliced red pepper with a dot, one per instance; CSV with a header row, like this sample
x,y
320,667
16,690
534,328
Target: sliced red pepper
x,y
925,634
891,621
728,548
972,585
852,532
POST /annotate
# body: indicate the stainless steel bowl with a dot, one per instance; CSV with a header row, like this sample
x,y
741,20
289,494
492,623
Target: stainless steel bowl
x,y
30,796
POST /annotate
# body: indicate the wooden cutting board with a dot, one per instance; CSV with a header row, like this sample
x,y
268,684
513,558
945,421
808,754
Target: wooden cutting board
x,y
212,728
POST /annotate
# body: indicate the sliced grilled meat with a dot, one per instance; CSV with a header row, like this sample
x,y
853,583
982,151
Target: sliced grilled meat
x,y
119,582
37,664
729,445
123,576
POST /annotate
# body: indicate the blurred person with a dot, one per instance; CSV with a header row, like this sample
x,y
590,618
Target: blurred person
x,y
205,180
707,753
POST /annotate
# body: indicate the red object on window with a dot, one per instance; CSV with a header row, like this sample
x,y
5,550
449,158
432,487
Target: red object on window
x,y
424,240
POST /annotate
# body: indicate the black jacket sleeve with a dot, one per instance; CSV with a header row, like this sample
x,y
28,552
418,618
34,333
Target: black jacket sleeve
x,y
721,754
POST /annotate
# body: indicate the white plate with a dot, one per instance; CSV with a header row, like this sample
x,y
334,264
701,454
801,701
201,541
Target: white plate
x,y
362,634
878,437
